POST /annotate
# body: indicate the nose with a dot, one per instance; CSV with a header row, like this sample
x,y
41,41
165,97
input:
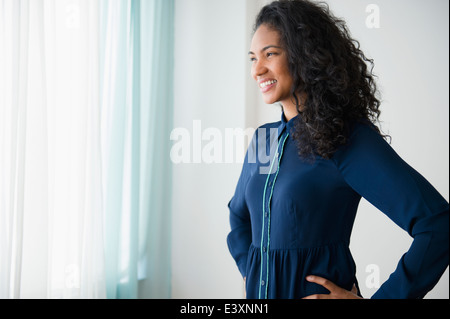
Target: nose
x,y
259,68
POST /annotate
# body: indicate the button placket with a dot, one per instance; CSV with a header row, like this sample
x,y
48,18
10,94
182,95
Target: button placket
x,y
264,243
265,240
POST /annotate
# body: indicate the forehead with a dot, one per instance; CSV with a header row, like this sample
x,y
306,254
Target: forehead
x,y
265,36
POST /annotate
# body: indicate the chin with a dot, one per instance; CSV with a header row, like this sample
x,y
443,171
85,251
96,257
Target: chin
x,y
269,100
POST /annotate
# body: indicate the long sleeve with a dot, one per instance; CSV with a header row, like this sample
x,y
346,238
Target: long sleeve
x,y
240,237
373,169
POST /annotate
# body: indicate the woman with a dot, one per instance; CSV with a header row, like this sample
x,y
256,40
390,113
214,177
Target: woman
x,y
291,218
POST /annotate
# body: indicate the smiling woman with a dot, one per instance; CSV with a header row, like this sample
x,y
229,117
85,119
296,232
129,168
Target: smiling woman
x,y
270,69
291,228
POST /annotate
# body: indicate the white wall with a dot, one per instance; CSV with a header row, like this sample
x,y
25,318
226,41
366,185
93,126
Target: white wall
x,y
209,86
213,84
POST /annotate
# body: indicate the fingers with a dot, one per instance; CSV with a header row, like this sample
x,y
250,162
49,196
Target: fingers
x,y
354,289
336,292
323,282
318,297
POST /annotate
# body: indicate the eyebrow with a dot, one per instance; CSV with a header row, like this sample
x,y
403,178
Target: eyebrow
x,y
267,48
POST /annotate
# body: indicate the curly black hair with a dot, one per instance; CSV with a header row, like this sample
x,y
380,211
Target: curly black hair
x,y
329,67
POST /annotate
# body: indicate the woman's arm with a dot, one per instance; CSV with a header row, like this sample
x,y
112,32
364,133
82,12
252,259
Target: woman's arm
x,y
240,237
373,169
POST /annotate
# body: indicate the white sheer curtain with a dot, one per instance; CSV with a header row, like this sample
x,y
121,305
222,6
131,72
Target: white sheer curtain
x,y
85,177
51,219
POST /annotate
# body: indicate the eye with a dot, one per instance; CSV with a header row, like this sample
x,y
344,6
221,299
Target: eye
x,y
252,59
269,54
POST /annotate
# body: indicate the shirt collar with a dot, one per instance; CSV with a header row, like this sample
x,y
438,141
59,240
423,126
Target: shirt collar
x,y
288,125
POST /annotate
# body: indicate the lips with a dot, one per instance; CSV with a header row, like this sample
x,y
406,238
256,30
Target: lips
x,y
266,84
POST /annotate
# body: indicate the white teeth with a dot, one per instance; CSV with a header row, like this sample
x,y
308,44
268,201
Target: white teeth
x,y
264,84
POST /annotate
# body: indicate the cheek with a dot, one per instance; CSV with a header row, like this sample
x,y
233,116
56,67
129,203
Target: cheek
x,y
286,84
285,76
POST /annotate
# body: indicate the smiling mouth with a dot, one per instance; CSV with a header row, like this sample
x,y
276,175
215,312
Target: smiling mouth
x,y
267,83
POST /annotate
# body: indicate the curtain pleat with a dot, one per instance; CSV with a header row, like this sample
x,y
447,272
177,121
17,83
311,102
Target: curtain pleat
x,y
156,199
138,235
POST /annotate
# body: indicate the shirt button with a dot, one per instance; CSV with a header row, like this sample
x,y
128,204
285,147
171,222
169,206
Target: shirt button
x,y
263,283
264,249
266,214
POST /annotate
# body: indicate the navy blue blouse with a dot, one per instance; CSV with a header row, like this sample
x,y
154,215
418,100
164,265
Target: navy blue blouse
x,y
291,218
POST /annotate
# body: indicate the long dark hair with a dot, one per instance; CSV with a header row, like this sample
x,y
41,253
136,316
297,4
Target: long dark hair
x,y
328,65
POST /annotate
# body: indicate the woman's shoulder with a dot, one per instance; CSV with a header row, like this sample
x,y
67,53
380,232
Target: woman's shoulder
x,y
270,125
364,132
266,129
364,137
363,127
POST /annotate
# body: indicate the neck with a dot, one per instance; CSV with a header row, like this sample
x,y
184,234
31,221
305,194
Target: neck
x,y
290,112
290,109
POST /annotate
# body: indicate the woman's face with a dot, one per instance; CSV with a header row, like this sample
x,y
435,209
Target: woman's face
x,y
270,66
